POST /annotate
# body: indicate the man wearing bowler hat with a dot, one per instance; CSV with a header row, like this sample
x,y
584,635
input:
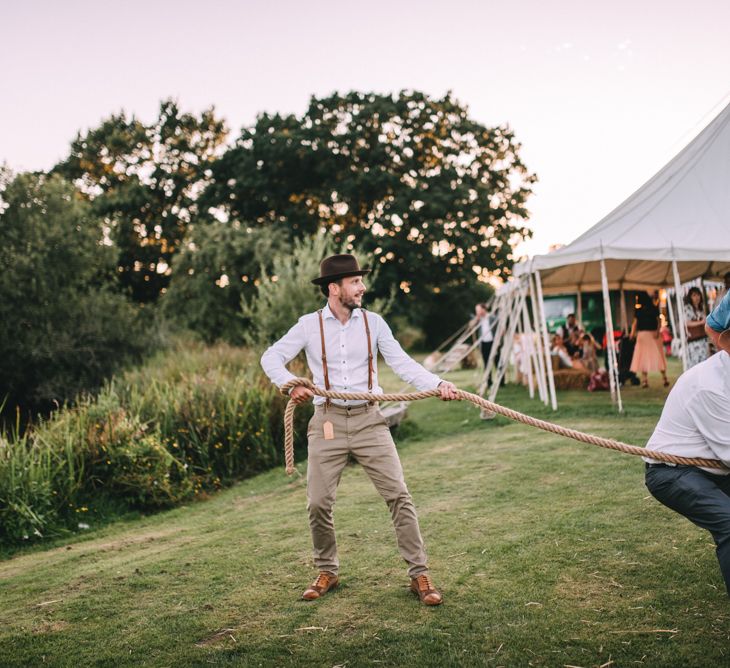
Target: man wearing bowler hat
x,y
695,422
341,342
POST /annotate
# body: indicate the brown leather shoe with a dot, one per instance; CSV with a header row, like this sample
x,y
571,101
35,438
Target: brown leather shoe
x,y
324,582
428,594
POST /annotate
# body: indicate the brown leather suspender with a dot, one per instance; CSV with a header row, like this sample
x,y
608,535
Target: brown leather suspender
x,y
324,358
371,367
324,352
370,351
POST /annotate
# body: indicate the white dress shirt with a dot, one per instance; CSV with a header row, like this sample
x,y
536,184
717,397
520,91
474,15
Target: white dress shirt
x,y
347,357
695,421
486,329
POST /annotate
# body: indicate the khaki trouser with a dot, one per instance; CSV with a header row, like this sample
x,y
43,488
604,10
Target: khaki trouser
x,y
362,431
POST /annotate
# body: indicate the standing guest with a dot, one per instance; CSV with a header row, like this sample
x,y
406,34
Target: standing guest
x,y
342,341
645,330
698,345
625,355
695,422
667,337
486,336
724,290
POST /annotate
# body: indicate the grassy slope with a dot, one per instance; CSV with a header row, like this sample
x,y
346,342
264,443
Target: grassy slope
x,y
549,552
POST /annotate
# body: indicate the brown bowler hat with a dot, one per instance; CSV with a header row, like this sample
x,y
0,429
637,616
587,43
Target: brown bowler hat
x,y
336,267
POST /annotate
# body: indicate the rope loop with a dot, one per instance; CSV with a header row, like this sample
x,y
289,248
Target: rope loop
x,y
484,404
294,382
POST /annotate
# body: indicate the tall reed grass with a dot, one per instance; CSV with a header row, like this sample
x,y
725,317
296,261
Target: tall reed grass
x,y
190,421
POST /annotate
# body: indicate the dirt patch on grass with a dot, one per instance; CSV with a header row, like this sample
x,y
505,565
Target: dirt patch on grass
x,y
50,626
446,448
256,499
590,590
22,563
218,637
128,541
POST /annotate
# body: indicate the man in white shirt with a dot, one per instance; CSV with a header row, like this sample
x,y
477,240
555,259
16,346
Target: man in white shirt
x,y
341,342
486,336
695,422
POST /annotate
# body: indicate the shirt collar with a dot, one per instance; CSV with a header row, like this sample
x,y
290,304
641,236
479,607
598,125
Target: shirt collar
x,y
327,312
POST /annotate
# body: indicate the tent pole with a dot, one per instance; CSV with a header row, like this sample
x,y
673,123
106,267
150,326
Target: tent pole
x,y
507,344
579,307
611,352
530,349
703,290
519,332
624,315
538,347
524,354
681,324
672,319
498,335
545,342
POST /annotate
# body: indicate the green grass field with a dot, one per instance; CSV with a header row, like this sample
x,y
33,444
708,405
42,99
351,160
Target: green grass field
x,y
549,553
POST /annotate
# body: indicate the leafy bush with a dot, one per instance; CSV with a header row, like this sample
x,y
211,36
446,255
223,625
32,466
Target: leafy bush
x,y
190,421
62,328
146,474
288,293
218,266
26,496
409,336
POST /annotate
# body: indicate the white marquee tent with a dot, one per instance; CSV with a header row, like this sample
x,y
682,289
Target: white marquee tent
x,y
673,229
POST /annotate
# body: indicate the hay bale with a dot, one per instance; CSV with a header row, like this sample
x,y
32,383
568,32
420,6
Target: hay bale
x,y
571,379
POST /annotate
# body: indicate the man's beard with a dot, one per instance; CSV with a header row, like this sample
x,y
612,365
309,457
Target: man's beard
x,y
350,305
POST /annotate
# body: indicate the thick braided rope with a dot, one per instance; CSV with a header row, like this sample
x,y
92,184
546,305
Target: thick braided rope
x,y
483,403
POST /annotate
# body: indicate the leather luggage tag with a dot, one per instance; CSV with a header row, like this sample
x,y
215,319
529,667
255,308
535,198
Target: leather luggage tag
x,y
329,432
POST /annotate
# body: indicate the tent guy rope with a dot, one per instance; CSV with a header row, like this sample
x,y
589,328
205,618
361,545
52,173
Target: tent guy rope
x,y
482,403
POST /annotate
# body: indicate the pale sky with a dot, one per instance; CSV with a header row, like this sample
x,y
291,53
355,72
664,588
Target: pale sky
x,y
601,95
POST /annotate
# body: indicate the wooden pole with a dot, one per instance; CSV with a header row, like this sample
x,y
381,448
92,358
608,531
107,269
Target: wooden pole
x,y
500,304
624,315
546,342
611,351
681,323
539,350
508,342
529,347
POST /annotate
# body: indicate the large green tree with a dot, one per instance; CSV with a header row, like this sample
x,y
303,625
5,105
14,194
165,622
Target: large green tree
x,y
438,198
219,265
62,329
143,180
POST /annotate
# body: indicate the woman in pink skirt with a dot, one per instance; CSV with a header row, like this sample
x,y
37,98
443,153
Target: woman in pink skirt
x,y
645,330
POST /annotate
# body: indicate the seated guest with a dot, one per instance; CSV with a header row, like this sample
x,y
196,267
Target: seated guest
x,y
558,348
571,325
572,343
695,422
589,354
